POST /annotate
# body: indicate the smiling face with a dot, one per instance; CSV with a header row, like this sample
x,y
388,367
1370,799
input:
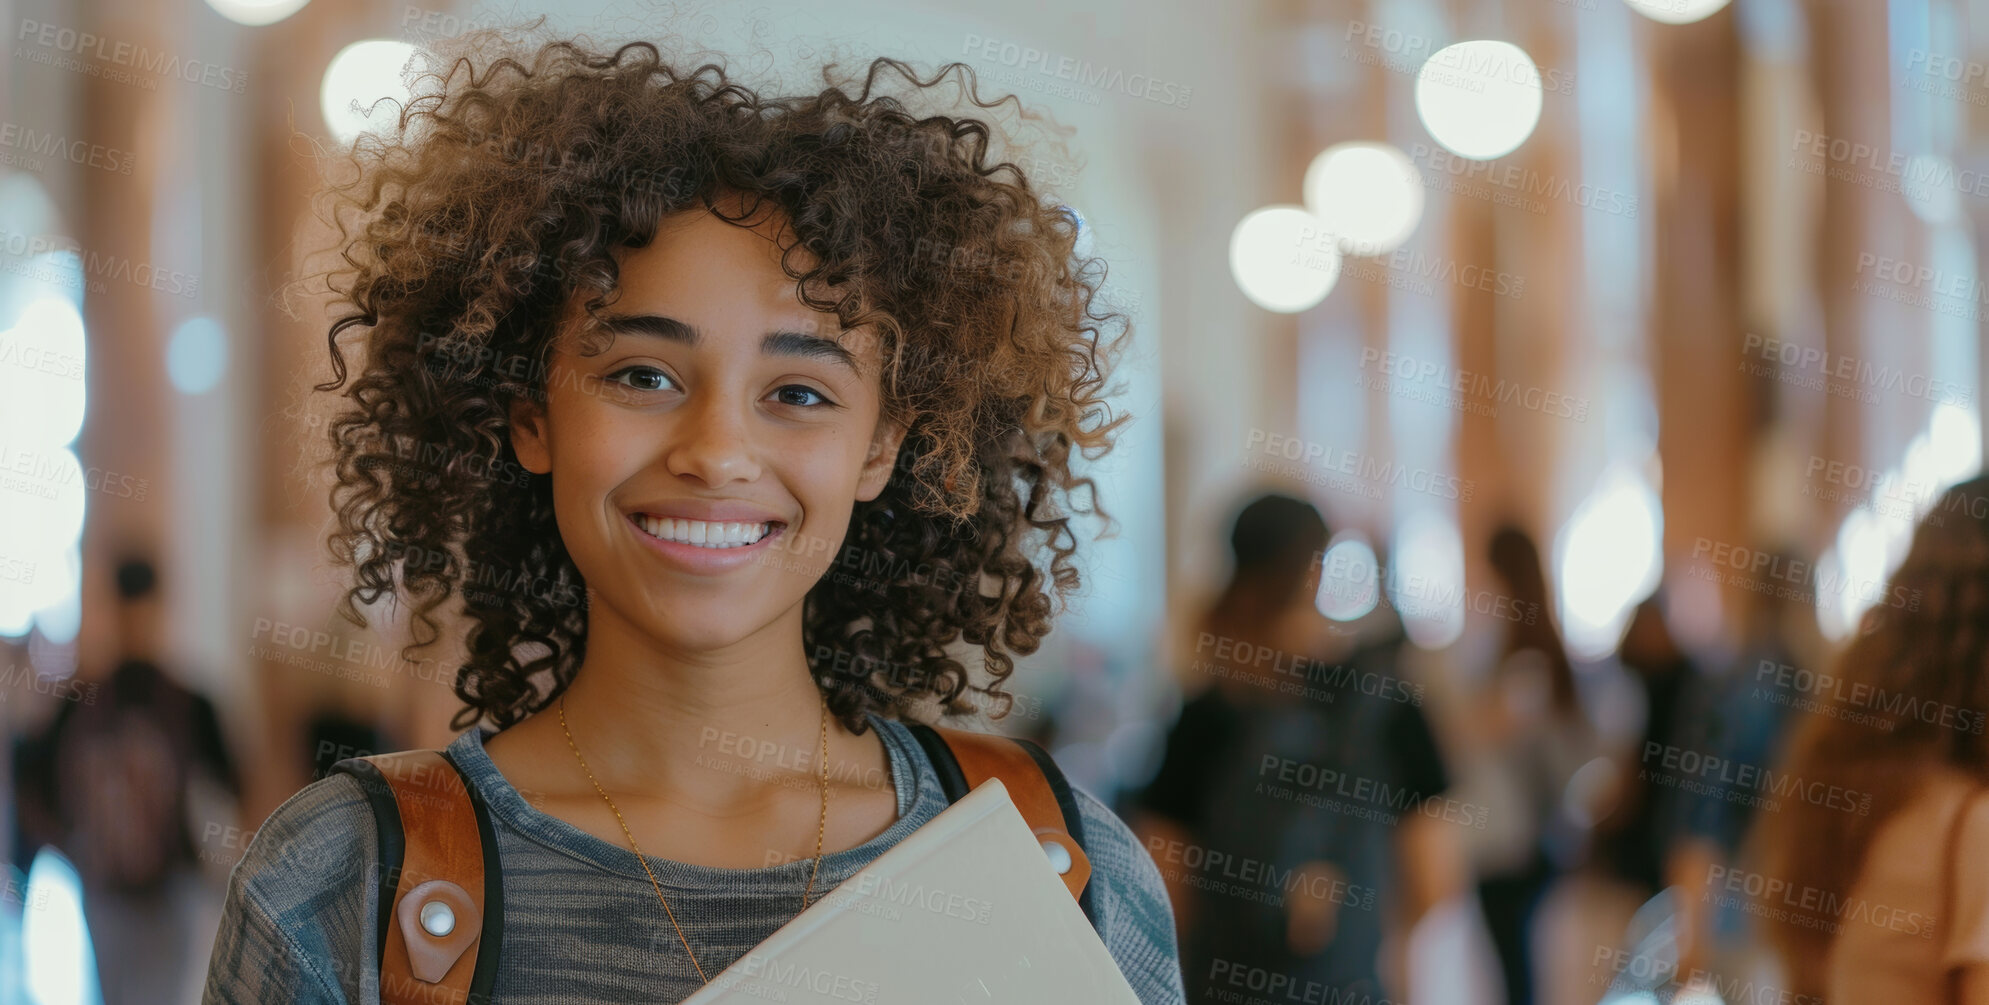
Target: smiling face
x,y
705,465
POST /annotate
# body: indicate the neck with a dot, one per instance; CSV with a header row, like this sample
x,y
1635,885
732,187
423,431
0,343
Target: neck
x,y
650,717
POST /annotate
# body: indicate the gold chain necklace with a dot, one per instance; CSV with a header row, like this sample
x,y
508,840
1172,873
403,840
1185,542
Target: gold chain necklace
x,y
820,828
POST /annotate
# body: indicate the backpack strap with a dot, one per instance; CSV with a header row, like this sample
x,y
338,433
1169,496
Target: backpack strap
x,y
965,758
438,904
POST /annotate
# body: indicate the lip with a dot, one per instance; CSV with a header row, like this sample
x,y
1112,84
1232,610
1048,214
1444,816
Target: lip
x,y
705,561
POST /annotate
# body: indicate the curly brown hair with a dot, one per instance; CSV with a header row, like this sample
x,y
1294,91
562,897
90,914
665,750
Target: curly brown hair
x,y
499,196
1912,694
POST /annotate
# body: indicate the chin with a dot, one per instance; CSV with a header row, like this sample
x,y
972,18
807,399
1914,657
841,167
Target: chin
x,y
704,620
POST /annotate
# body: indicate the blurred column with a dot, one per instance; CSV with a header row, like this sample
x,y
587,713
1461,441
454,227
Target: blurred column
x,y
1541,337
1481,451
1865,318
1519,309
1704,402
1345,90
127,424
295,583
1780,201
1216,351
1974,156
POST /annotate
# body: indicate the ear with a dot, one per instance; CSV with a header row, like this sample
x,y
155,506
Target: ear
x,y
531,436
883,459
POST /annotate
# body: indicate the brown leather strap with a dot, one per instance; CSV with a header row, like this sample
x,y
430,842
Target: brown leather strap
x,y
987,755
442,846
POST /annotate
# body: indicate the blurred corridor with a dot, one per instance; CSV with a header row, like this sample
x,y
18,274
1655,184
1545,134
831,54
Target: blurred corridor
x,y
1514,592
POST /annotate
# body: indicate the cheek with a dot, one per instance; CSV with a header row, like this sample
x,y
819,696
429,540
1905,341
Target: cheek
x,y
825,478
589,457
822,474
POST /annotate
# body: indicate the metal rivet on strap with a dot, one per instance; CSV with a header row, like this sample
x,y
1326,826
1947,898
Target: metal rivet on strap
x,y
1059,855
438,919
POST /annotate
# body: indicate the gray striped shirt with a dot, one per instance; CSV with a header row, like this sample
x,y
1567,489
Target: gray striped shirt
x,y
581,923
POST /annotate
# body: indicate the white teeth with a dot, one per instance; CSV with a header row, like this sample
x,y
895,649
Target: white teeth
x,y
704,534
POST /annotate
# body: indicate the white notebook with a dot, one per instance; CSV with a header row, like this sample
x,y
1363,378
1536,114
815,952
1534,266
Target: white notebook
x,y
966,909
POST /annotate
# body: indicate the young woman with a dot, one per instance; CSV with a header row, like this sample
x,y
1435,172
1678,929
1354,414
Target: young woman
x,y
1530,736
1879,858
734,420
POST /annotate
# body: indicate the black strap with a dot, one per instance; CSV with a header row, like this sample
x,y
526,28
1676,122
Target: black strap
x,y
491,941
951,781
954,784
392,846
393,853
1066,801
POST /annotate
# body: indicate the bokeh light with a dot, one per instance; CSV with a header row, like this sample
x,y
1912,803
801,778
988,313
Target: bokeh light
x,y
1480,99
55,939
1426,580
1954,446
1608,559
359,77
1283,258
42,404
256,13
1349,579
1928,185
1676,11
41,393
197,356
1369,196
1850,575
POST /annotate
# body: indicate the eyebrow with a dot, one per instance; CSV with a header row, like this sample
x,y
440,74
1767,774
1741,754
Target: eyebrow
x,y
777,343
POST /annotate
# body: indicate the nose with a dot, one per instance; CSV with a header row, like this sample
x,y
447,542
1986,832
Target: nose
x,y
711,440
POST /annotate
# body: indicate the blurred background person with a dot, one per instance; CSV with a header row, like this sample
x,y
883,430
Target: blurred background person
x,y
1625,878
127,776
1886,874
1305,755
1736,712
1631,842
1529,737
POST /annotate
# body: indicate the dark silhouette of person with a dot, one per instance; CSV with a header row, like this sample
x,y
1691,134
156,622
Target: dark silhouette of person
x,y
1636,843
1310,873
1539,735
113,771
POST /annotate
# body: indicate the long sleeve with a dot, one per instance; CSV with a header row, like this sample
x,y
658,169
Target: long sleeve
x,y
1136,920
296,926
256,961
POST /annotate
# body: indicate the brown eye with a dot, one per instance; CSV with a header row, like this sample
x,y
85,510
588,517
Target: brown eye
x,y
788,392
647,378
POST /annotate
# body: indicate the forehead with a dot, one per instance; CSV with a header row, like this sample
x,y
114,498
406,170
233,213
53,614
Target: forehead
x,y
725,280
697,261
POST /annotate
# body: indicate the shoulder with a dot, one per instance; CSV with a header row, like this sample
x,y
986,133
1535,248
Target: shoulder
x,y
1944,807
1134,914
1926,864
320,839
295,925
1135,917
1960,851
